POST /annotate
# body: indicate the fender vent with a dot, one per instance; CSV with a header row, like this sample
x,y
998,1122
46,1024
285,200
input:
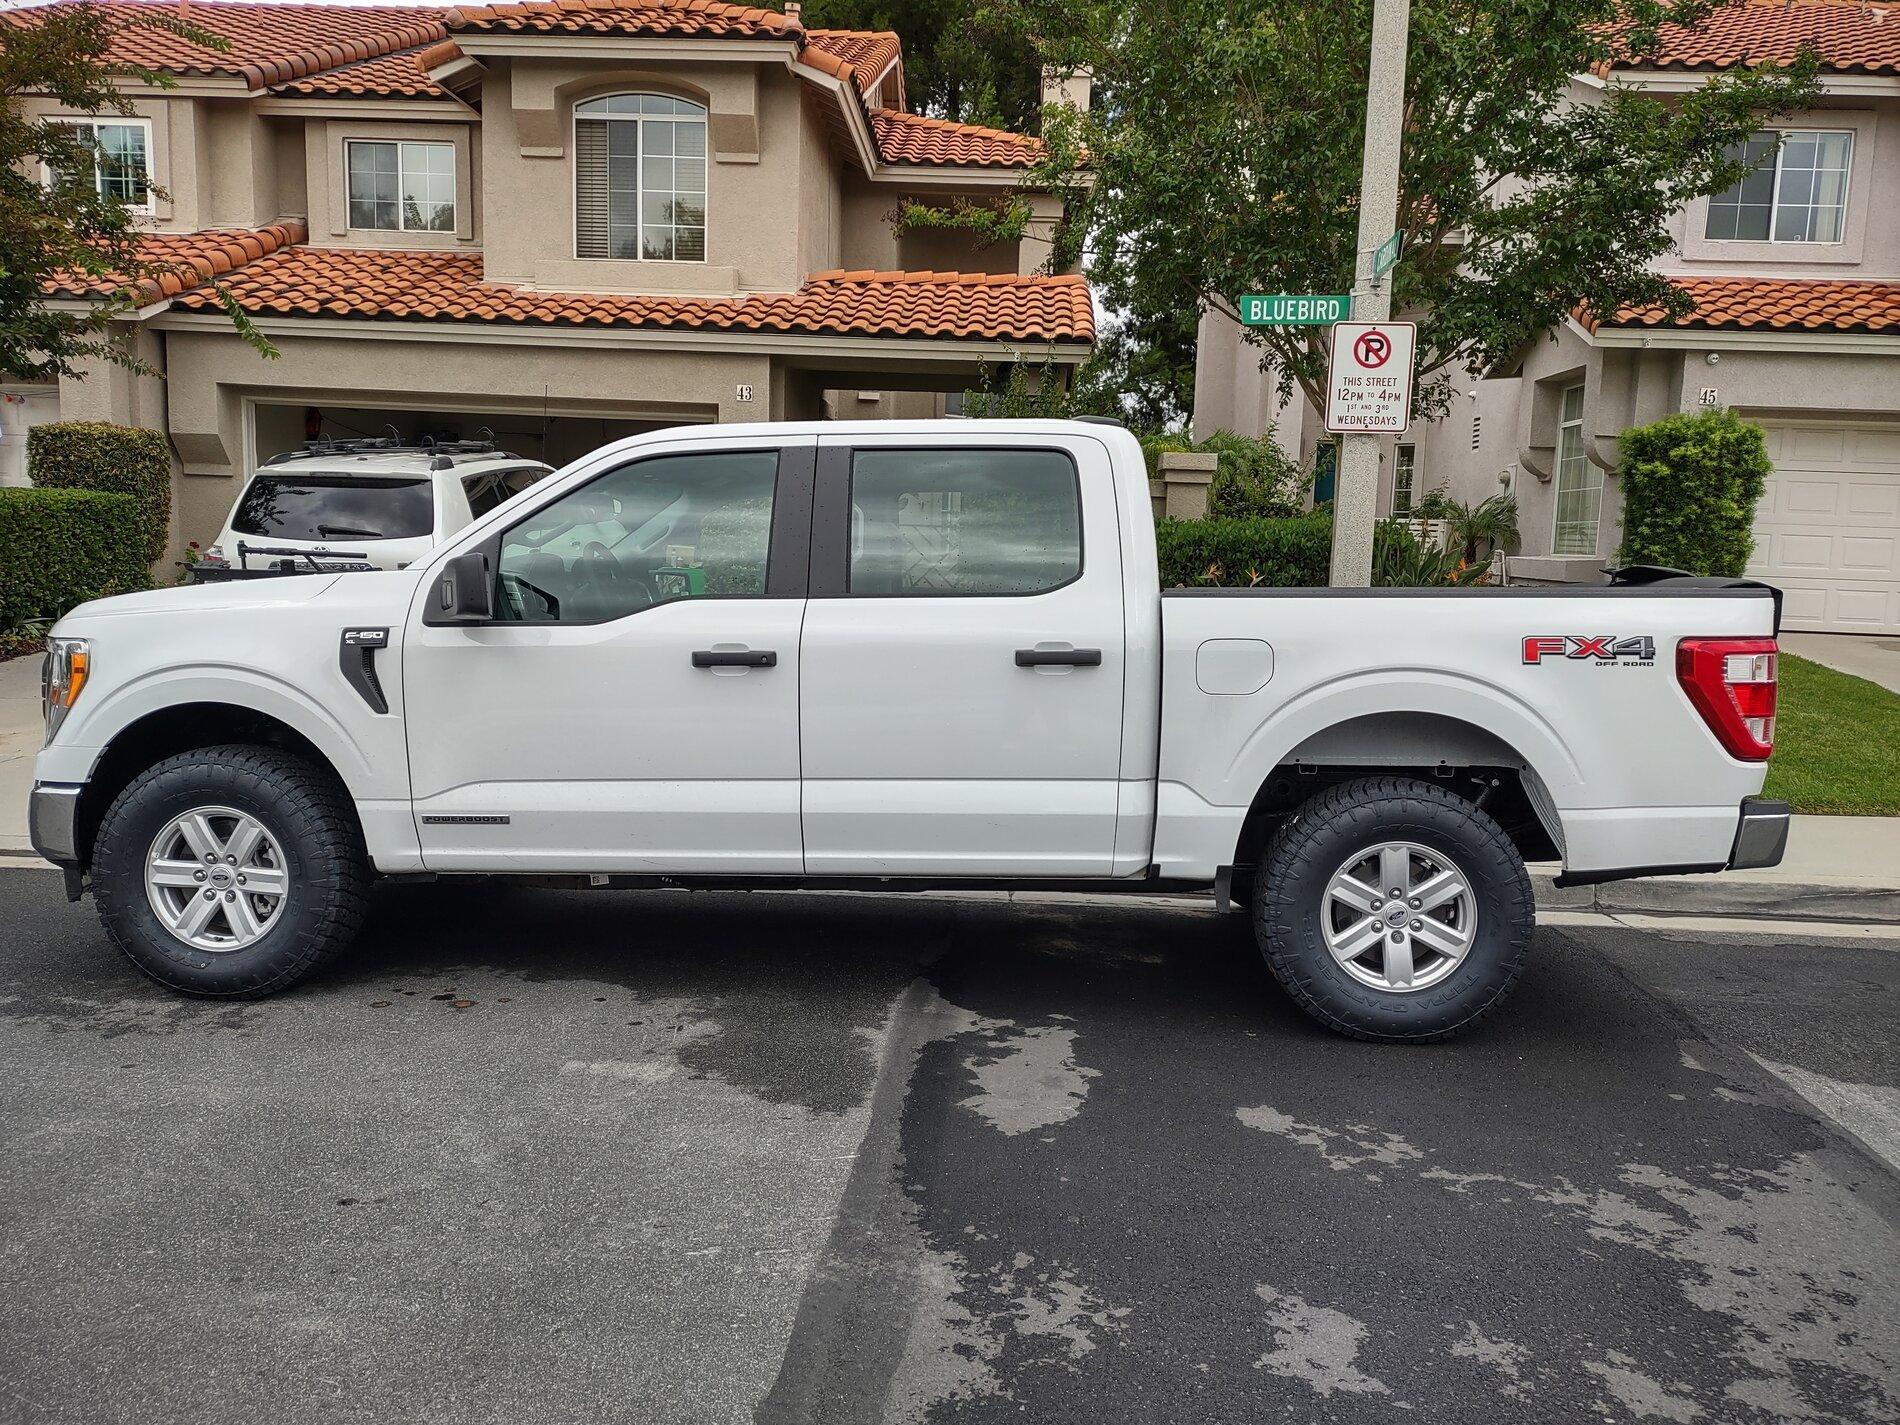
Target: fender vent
x,y
356,659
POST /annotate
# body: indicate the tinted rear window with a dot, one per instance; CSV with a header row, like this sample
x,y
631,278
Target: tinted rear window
x,y
335,508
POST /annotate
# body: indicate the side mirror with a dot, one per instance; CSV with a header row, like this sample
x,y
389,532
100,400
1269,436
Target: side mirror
x,y
464,591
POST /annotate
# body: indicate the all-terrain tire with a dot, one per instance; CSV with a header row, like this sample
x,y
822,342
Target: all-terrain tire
x,y
1321,837
304,811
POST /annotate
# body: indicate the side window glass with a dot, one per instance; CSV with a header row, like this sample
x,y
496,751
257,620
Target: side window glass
x,y
961,522
674,527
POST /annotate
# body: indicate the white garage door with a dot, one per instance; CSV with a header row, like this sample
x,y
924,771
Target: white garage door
x,y
1828,529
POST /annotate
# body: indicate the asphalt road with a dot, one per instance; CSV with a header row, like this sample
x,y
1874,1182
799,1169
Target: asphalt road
x,y
532,1157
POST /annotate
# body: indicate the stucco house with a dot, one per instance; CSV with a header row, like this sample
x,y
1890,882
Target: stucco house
x,y
1796,279
562,221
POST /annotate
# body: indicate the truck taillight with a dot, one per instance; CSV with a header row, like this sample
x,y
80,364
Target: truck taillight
x,y
1731,682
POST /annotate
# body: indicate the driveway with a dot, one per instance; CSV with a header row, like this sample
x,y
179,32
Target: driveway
x,y
608,1157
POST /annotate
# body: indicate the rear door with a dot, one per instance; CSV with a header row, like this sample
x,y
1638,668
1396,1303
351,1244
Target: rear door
x,y
962,661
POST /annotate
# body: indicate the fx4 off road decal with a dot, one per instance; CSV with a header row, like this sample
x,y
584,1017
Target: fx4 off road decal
x,y
1607,649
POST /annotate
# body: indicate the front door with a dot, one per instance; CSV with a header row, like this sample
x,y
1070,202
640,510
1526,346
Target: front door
x,y
963,659
633,706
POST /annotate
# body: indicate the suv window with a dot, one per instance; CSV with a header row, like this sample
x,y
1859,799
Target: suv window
x,y
335,507
674,527
491,487
962,522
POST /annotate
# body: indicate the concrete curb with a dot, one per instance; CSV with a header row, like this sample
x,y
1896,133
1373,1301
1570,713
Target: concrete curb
x,y
1728,895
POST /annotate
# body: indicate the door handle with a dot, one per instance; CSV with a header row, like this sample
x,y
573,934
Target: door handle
x,y
739,658
1058,657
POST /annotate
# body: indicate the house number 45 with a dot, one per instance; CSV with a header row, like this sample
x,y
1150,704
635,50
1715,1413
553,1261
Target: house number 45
x,y
1710,397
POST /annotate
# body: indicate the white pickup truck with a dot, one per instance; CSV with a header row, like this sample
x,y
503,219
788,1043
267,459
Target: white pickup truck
x,y
897,656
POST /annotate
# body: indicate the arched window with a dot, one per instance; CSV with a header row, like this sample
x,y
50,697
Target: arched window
x,y
640,178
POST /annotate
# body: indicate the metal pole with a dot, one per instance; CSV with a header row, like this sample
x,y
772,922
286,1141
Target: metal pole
x,y
1356,492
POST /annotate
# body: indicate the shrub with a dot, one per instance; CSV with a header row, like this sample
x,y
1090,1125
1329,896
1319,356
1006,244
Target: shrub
x,y
61,547
1254,477
1292,552
1690,486
1400,560
122,460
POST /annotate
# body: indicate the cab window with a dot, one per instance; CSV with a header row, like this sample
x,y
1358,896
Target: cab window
x,y
674,527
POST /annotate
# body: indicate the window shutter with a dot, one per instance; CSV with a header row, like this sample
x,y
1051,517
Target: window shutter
x,y
590,188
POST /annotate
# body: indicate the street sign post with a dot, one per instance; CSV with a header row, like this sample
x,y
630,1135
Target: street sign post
x,y
1293,310
1369,378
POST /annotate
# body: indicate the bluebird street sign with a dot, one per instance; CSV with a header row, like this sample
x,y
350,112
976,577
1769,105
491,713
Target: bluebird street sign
x,y
1257,310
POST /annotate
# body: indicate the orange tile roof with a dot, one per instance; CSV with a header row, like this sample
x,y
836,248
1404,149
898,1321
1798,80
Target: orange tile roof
x,y
673,18
868,52
1849,37
269,44
390,76
183,260
912,138
1774,304
448,287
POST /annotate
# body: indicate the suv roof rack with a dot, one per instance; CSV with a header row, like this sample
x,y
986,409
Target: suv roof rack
x,y
442,453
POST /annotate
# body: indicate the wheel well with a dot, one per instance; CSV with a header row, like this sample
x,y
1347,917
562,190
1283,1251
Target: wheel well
x,y
173,730
1464,759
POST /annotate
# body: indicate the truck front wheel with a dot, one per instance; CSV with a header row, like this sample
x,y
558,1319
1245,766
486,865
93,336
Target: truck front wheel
x,y
1393,910
230,872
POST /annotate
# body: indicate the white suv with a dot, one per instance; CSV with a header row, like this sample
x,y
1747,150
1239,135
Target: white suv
x,y
364,502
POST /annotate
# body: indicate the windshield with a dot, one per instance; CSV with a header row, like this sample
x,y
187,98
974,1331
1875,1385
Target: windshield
x,y
335,508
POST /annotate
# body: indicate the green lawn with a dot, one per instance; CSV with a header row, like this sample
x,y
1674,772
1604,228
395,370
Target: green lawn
x,y
1837,743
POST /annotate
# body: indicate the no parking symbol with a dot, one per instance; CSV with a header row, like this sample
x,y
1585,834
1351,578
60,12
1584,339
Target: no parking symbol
x,y
1369,383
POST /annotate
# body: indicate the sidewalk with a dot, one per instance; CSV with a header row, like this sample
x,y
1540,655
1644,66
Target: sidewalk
x,y
1837,867
1863,655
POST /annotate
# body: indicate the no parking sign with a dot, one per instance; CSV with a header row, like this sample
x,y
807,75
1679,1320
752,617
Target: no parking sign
x,y
1369,378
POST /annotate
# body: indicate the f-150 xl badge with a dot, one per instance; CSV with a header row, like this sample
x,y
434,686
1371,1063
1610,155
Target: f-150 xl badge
x,y
1608,649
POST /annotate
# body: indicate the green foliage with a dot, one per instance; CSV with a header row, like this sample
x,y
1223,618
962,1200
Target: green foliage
x,y
1837,743
1225,150
59,548
1253,479
1239,553
959,63
1478,531
1400,560
95,455
992,223
66,227
1038,393
1690,487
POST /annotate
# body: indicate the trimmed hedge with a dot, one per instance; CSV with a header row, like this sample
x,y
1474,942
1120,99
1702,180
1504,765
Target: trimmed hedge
x,y
59,548
1253,476
119,460
1690,487
1230,553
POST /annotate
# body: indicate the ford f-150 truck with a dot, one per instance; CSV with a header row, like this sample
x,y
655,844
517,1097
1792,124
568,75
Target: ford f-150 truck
x,y
897,656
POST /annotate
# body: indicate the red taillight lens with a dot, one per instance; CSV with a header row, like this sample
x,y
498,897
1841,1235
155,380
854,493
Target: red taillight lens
x,y
1731,682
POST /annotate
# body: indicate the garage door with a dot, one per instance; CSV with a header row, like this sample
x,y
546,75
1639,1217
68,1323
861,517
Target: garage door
x,y
1828,528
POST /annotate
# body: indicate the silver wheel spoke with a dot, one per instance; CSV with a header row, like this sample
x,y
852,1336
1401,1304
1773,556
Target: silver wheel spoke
x,y
1395,869
194,915
1348,889
185,874
1434,891
245,839
1351,943
266,880
1441,937
243,917
1398,961
204,842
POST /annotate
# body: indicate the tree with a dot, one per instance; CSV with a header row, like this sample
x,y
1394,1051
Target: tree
x,y
71,223
1225,148
958,63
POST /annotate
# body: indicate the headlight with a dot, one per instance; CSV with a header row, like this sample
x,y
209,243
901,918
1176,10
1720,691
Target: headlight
x,y
63,678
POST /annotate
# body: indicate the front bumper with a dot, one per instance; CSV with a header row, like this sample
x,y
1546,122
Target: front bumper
x,y
52,821
1761,838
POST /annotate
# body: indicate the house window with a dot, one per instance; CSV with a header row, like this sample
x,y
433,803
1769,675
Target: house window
x,y
402,187
640,178
1794,193
1579,483
121,159
1404,471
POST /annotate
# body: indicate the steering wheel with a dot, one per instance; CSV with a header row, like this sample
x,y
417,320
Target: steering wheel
x,y
610,586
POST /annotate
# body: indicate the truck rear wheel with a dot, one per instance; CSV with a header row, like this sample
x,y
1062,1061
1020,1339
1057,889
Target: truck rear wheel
x,y
230,872
1393,910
